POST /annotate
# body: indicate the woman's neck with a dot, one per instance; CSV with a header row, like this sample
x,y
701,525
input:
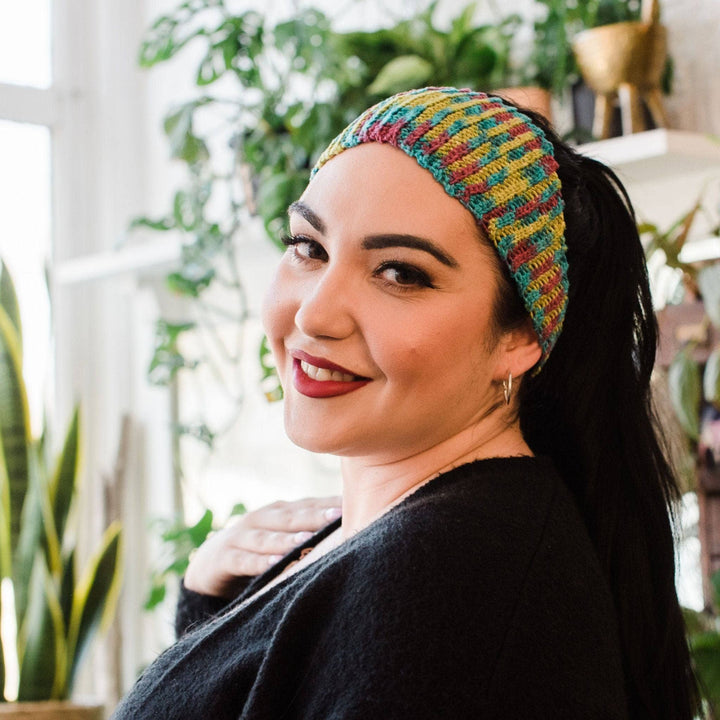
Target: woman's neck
x,y
371,485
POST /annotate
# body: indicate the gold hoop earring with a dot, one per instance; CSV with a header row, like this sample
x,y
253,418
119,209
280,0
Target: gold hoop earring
x,y
507,388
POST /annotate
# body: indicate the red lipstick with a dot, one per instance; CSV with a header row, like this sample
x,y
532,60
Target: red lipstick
x,y
310,387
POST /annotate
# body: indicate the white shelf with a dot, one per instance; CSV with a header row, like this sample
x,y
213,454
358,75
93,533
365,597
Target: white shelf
x,y
153,257
657,154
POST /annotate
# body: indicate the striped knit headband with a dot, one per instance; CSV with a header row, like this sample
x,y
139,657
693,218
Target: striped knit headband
x,y
501,167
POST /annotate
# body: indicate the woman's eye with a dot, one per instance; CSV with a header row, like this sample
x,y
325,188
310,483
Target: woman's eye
x,y
404,276
304,248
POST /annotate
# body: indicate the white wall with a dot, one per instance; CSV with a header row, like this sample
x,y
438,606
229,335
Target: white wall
x,y
694,44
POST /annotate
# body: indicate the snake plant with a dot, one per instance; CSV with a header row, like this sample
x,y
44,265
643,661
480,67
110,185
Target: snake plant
x,y
57,608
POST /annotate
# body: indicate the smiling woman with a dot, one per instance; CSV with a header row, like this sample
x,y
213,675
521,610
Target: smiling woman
x,y
462,314
386,276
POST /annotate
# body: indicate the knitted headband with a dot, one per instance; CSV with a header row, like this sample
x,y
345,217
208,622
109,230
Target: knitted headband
x,y
501,167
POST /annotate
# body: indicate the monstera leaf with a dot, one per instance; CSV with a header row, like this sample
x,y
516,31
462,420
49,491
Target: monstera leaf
x,y
685,388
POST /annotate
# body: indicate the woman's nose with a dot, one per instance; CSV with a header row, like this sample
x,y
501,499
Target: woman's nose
x,y
325,306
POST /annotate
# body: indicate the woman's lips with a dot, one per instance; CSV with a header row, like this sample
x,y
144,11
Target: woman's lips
x,y
319,378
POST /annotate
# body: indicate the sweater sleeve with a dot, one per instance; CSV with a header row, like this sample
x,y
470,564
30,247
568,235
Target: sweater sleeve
x,y
194,608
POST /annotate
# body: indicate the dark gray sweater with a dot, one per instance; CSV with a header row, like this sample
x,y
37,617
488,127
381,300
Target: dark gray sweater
x,y
478,596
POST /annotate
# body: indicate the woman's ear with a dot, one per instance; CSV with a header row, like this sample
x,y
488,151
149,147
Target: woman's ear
x,y
520,349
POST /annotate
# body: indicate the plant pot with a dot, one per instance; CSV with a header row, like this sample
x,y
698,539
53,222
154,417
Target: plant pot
x,y
624,60
530,97
50,710
628,52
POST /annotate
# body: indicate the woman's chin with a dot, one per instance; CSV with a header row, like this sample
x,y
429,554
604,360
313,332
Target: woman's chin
x,y
309,438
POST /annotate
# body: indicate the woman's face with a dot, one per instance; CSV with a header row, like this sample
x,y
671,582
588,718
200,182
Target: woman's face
x,y
379,315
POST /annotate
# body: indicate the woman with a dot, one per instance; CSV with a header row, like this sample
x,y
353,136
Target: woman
x,y
463,316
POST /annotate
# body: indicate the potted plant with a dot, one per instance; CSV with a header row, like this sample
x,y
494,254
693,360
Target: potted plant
x,y
625,61
58,608
552,63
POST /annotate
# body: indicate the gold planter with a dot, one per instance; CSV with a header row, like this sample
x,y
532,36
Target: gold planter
x,y
50,710
625,61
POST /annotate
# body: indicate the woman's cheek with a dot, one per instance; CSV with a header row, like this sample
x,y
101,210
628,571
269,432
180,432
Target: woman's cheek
x,y
277,314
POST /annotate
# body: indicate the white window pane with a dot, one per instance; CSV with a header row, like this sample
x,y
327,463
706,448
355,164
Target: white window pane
x,y
25,48
25,242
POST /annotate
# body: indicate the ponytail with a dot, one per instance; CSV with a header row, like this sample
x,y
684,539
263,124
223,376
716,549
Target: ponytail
x,y
590,409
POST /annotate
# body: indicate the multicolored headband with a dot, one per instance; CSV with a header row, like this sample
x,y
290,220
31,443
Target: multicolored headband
x,y
501,167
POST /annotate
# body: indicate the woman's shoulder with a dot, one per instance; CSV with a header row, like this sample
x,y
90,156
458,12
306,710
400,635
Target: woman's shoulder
x,y
504,524
495,511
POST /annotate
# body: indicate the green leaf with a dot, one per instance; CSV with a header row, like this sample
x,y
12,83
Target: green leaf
x,y
67,586
711,378
156,595
95,598
201,529
2,665
38,531
401,73
184,144
9,302
213,65
6,550
708,280
715,581
63,484
684,386
179,541
696,622
477,60
164,40
161,225
270,379
275,193
462,24
14,420
167,358
43,671
238,509
705,649
183,283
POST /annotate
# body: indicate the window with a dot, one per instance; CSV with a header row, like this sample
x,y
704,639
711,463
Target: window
x,y
26,113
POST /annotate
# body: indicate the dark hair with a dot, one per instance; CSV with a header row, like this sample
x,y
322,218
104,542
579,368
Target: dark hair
x,y
590,409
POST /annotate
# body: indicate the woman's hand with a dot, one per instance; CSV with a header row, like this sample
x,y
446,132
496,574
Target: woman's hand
x,y
255,541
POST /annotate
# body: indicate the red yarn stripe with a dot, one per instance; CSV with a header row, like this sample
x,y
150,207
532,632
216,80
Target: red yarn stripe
x,y
455,154
541,269
474,189
439,141
417,133
516,130
460,174
536,204
520,254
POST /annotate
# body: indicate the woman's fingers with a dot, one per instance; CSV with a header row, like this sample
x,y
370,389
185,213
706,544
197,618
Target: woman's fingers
x,y
256,540
309,514
270,542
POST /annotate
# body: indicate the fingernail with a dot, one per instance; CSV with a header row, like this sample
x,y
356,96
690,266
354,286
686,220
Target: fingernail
x,y
301,537
333,513
272,559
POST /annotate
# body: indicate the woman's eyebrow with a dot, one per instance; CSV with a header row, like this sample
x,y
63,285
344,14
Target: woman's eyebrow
x,y
304,211
377,242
